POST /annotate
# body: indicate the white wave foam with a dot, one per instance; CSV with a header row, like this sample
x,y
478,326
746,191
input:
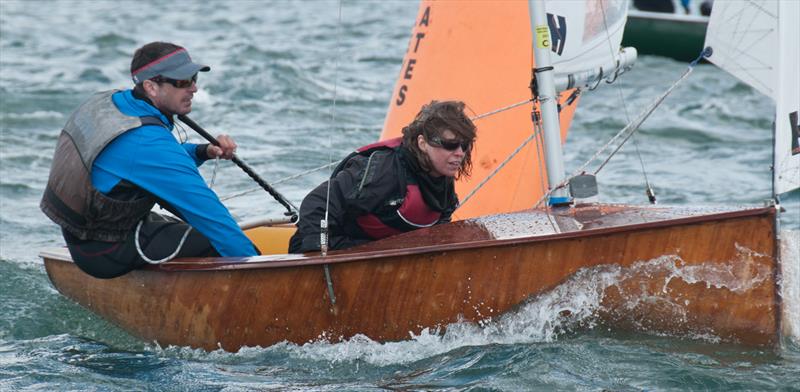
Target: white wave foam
x,y
576,304
37,115
790,283
572,305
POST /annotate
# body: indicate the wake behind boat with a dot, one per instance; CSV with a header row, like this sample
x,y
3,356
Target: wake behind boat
x,y
679,270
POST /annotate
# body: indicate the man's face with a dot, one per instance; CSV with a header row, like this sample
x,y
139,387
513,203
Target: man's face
x,y
171,99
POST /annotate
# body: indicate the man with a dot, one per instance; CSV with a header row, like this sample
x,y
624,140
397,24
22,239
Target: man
x,y
116,158
393,186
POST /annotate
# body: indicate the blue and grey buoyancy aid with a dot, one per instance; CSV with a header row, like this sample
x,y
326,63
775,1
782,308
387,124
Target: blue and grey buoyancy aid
x,y
405,211
70,199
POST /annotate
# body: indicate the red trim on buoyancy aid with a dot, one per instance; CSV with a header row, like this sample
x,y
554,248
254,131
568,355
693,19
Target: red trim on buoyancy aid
x,y
414,212
388,143
374,228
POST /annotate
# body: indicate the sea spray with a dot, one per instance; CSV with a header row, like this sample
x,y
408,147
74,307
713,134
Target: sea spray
x,y
580,303
790,284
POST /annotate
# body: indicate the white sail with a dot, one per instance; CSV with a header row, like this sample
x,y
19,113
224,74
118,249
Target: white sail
x,y
586,37
585,33
758,42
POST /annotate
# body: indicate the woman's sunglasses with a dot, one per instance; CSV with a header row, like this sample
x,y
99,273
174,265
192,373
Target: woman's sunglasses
x,y
450,145
176,83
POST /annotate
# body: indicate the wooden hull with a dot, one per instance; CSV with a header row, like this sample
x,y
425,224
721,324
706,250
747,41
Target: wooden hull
x,y
678,273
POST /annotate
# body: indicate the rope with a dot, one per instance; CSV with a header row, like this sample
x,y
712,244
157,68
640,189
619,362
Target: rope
x,y
324,224
625,133
500,110
328,165
214,173
168,258
650,193
282,180
499,167
178,130
638,122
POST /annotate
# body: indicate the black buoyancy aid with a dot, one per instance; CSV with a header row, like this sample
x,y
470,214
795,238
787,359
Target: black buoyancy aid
x,y
70,199
404,211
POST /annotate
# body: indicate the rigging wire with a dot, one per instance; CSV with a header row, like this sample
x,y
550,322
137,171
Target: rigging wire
x,y
626,132
323,241
332,164
649,191
323,224
500,110
282,180
497,169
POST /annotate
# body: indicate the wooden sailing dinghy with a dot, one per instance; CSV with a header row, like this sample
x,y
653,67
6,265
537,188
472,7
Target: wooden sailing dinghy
x,y
680,271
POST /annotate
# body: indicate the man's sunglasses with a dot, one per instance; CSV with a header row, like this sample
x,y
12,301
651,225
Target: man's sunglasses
x,y
176,83
450,145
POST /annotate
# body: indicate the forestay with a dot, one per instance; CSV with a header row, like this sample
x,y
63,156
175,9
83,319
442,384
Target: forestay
x,y
758,42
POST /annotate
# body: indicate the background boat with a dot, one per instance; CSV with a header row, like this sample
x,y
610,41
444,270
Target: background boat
x,y
48,341
677,34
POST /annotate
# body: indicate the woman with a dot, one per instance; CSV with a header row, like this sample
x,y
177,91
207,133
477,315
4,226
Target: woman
x,y
393,186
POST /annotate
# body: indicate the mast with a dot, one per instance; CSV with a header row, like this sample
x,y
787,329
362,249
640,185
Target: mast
x,y
547,98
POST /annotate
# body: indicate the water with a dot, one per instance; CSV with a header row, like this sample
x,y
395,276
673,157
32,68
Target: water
x,y
275,67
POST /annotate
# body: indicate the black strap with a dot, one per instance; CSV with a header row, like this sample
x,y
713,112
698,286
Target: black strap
x,y
62,208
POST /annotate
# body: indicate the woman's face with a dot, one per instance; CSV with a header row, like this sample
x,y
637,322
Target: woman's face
x,y
446,153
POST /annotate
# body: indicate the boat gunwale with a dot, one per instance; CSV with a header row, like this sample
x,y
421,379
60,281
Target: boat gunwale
x,y
299,260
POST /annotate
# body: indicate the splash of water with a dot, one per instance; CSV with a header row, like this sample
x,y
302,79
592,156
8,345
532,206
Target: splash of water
x,y
574,305
790,284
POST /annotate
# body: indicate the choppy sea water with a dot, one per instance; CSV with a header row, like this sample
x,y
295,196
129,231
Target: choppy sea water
x,y
276,67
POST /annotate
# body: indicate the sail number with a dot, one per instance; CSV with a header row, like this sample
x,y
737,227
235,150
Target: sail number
x,y
408,68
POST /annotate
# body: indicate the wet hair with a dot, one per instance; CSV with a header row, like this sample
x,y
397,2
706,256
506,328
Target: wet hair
x,y
431,122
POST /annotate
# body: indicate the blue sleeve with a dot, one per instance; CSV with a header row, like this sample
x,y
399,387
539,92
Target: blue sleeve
x,y
153,160
191,149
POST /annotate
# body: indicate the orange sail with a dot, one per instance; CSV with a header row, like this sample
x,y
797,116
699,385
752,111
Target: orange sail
x,y
480,53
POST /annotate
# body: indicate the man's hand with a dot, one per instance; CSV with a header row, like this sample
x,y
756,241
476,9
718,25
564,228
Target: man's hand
x,y
225,150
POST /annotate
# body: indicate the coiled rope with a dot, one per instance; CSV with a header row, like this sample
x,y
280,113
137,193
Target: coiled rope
x,y
165,259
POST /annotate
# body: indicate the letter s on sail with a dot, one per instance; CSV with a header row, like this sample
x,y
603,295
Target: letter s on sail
x,y
401,95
